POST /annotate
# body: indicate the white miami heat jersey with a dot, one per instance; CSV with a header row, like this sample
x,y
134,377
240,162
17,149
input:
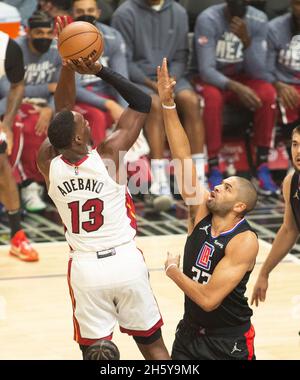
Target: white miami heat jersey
x,y
4,38
97,212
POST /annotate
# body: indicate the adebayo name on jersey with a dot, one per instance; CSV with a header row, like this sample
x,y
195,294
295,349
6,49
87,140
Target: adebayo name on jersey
x,y
77,184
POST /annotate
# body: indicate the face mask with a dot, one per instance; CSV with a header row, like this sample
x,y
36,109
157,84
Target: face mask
x,y
42,45
237,8
87,18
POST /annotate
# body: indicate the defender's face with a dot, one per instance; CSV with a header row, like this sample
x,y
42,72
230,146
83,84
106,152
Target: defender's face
x,y
296,151
224,196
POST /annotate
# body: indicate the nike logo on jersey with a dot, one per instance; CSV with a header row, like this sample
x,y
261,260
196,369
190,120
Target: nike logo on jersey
x,y
296,195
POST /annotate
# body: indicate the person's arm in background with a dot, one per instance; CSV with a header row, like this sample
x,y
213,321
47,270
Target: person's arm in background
x,y
14,68
118,62
178,64
124,25
272,51
47,112
255,55
206,42
287,94
284,240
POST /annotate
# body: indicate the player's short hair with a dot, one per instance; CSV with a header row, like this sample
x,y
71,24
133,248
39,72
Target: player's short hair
x,y
40,19
101,350
296,130
61,130
247,193
64,5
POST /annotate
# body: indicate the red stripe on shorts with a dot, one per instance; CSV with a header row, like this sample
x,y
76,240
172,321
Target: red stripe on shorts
x,y
249,335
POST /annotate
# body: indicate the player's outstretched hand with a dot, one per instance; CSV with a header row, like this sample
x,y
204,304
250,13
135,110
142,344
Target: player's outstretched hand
x,y
61,23
83,66
165,84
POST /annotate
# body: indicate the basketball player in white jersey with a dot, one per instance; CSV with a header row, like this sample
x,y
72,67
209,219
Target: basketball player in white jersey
x,y
107,275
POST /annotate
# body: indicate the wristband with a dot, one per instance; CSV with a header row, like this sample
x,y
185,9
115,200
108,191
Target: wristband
x,y
171,265
168,107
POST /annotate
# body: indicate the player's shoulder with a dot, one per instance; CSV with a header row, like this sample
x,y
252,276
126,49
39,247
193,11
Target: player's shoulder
x,y
255,15
246,242
280,21
109,32
288,179
212,13
126,8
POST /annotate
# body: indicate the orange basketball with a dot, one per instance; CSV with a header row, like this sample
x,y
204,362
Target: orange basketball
x,y
80,39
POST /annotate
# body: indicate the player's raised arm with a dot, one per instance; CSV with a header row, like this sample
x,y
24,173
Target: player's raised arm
x,y
132,119
65,93
191,190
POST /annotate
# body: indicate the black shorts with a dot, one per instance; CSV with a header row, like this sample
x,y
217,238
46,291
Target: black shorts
x,y
232,343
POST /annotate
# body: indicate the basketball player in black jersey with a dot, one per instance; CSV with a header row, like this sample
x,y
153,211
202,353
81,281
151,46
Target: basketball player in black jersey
x,y
219,254
289,231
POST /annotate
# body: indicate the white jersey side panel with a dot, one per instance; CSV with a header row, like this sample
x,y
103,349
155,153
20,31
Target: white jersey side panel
x,y
93,207
3,46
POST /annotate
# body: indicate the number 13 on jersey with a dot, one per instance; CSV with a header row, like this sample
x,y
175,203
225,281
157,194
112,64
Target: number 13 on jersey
x,y
94,208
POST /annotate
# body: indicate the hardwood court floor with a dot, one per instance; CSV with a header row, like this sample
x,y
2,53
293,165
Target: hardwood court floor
x,y
36,314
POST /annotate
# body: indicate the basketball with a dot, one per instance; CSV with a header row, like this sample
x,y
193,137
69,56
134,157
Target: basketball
x,y
80,39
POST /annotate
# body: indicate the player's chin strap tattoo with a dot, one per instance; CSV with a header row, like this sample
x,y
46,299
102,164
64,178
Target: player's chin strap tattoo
x,y
136,98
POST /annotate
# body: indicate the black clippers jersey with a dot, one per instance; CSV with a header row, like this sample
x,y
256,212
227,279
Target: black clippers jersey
x,y
295,198
202,253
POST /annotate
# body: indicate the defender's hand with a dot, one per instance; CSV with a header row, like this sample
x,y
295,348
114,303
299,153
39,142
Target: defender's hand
x,y
61,23
260,290
172,261
165,84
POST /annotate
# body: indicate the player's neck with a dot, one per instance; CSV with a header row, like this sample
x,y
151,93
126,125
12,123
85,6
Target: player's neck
x,y
75,156
222,224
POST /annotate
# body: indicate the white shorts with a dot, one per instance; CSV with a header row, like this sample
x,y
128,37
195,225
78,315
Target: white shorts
x,y
106,288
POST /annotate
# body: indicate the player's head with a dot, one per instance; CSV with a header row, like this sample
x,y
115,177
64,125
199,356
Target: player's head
x,y
102,350
55,7
40,32
236,8
234,195
295,148
153,2
295,7
69,130
86,10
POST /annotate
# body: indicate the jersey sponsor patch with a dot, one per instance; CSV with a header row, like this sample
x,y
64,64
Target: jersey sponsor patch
x,y
203,259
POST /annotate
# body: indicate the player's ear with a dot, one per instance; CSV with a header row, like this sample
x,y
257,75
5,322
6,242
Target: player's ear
x,y
77,139
240,207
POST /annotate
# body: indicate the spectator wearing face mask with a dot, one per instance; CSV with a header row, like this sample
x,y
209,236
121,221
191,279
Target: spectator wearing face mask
x,y
230,42
42,67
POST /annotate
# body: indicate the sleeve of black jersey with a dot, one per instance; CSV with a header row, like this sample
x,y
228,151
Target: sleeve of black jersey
x,y
14,63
